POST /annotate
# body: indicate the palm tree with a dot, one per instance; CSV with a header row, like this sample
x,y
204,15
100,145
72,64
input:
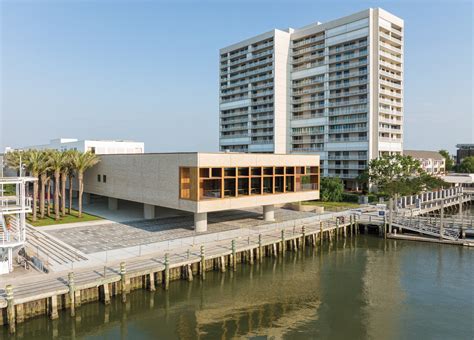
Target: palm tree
x,y
12,159
71,169
33,162
65,173
43,175
56,161
82,162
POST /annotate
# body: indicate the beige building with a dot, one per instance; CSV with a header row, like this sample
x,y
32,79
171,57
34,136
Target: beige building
x,y
334,89
204,182
431,161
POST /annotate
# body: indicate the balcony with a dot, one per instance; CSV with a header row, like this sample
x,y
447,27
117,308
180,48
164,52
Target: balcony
x,y
234,121
347,48
233,99
264,109
308,91
348,139
390,75
384,101
307,149
262,86
308,41
307,58
307,100
347,66
348,75
262,126
390,84
307,49
307,107
264,117
390,111
390,93
347,157
348,57
347,130
234,128
348,94
347,102
348,84
347,120
308,133
308,82
346,111
390,56
262,46
390,66
235,135
307,66
307,116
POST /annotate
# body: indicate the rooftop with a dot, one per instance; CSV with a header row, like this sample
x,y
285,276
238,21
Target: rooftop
x,y
423,154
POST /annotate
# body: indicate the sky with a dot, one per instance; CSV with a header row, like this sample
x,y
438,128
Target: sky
x,y
148,70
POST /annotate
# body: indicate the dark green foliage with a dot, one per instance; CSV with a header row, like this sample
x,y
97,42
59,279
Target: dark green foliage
x,y
332,189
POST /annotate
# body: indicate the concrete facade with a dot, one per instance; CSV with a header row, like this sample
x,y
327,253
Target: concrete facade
x,y
335,89
154,180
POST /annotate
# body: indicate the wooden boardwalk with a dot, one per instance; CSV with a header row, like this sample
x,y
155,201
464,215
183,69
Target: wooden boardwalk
x,y
48,293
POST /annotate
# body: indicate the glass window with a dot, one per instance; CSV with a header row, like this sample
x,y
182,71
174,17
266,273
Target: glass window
x,y
268,185
98,178
243,171
279,170
216,172
229,187
229,172
104,178
279,184
243,187
185,183
268,171
256,171
210,188
204,172
290,183
256,188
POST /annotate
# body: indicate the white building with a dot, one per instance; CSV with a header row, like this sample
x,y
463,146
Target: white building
x,y
202,183
335,89
431,161
101,147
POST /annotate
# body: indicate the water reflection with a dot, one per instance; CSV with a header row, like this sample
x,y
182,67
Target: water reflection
x,y
354,288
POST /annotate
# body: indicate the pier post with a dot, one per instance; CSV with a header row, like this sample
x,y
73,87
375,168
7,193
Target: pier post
x,y
222,264
337,228
351,226
72,303
283,245
10,309
151,282
53,310
321,233
390,216
189,273
234,256
303,237
356,221
250,257
441,220
167,272
260,247
203,263
123,281
105,294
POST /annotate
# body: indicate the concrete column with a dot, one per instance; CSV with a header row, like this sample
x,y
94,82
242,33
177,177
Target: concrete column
x,y
269,213
86,198
112,203
200,222
148,211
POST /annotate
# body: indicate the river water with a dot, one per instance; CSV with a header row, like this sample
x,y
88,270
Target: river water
x,y
360,288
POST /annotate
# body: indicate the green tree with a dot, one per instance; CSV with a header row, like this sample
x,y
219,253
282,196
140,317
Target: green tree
x,y
467,165
82,162
400,175
34,163
56,161
448,160
332,189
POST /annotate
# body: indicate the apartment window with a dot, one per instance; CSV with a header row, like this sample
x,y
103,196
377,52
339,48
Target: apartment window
x,y
98,178
104,178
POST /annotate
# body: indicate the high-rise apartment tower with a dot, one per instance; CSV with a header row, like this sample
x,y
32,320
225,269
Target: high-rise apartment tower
x,y
335,89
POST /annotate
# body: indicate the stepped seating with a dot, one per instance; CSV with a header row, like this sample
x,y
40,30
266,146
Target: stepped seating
x,y
49,249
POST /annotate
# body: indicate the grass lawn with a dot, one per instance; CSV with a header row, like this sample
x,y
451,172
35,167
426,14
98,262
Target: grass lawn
x,y
65,219
333,205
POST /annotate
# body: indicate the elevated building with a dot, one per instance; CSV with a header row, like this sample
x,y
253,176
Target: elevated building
x,y
100,147
201,183
334,89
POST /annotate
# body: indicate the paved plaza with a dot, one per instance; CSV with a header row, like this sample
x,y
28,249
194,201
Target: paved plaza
x,y
115,235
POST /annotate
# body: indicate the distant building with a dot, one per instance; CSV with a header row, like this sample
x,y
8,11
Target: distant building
x,y
431,161
464,150
100,147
